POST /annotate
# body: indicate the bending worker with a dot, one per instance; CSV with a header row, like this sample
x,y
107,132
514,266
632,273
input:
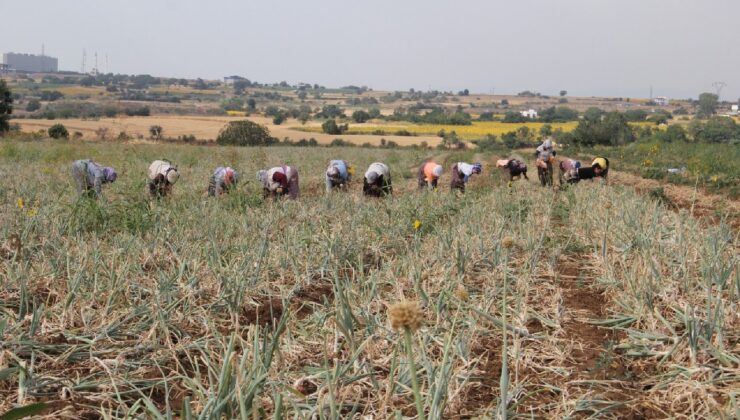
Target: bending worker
x,y
162,176
90,177
377,182
222,181
279,181
516,168
337,175
461,173
571,171
429,173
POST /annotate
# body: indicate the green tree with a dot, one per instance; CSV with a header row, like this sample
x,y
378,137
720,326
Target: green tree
x,y
593,114
33,105
156,131
546,130
245,133
302,95
674,133
612,130
715,130
6,106
707,105
331,127
58,131
251,104
360,116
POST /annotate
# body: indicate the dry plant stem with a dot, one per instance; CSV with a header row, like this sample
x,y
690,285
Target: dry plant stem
x,y
412,368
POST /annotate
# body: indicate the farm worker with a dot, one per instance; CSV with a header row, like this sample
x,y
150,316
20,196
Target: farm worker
x,y
429,173
279,181
569,171
461,173
162,176
377,182
575,172
337,175
599,168
516,168
90,176
545,153
222,180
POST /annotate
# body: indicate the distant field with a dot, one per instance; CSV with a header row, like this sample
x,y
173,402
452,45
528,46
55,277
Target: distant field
x,y
207,127
466,132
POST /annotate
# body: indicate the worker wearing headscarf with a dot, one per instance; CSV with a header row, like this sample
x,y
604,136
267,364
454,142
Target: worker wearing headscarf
x,y
337,175
429,173
162,176
515,168
279,181
90,177
461,173
545,151
377,180
222,181
599,168
569,171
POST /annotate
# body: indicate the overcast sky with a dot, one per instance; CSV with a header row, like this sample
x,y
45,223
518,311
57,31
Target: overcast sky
x,y
587,47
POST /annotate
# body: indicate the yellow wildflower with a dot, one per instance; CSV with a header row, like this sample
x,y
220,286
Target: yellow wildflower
x,y
31,212
417,224
20,203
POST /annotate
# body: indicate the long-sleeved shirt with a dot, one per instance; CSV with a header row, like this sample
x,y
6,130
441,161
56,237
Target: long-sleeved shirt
x,y
88,174
217,183
342,176
159,167
378,169
284,177
543,153
465,169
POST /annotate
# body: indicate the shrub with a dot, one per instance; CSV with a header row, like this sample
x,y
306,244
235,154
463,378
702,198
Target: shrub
x,y
360,116
331,127
245,133
58,131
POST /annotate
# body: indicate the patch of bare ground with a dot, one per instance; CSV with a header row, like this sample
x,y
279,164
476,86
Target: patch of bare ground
x,y
699,203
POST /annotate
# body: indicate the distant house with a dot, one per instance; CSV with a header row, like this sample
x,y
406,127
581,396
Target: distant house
x,y
530,113
230,80
734,109
661,101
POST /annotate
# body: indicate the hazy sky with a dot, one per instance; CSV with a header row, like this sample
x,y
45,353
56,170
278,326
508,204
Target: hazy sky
x,y
587,47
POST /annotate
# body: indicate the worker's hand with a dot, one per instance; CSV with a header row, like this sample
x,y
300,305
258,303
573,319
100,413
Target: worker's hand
x,y
279,190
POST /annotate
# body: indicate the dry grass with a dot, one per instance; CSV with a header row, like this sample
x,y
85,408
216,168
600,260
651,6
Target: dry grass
x,y
218,308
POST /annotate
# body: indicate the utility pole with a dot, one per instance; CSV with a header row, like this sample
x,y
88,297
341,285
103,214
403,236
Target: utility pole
x,y
718,86
84,59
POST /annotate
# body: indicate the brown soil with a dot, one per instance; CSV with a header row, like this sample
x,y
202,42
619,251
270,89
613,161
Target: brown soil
x,y
267,311
485,383
305,298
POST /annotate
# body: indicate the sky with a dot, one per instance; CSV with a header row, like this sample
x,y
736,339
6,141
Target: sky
x,y
617,48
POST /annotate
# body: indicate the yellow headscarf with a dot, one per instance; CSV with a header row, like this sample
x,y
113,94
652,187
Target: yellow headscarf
x,y
601,162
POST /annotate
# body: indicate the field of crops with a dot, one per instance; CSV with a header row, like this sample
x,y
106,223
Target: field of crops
x,y
477,130
503,302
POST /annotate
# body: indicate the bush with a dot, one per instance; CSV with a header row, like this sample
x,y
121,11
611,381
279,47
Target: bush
x,y
360,116
514,117
245,133
331,127
58,131
33,105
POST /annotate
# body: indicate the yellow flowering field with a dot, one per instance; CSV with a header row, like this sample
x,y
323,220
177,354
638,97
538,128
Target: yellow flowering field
x,y
467,132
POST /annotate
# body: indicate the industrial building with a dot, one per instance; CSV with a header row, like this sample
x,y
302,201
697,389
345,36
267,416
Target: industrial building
x,y
30,63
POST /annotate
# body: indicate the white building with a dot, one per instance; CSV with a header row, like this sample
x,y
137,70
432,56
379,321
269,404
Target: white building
x,y
734,109
661,101
530,113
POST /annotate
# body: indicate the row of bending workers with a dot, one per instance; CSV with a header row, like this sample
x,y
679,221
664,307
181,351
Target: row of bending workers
x,y
283,180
